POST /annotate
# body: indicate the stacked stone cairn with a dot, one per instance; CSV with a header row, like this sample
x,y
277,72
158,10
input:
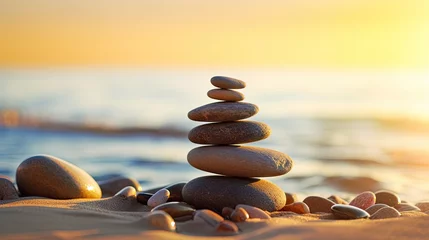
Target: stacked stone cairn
x,y
238,166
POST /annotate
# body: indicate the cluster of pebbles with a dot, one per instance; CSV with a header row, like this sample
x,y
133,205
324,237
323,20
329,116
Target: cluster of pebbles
x,y
219,201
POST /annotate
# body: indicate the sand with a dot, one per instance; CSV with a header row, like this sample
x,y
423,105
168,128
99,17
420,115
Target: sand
x,y
122,217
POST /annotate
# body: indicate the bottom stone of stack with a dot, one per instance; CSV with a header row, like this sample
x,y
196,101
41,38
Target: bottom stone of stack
x,y
217,192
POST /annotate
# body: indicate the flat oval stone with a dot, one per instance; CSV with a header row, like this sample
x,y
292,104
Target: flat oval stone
x,y
338,200
406,207
208,216
158,198
342,211
291,198
229,132
225,95
363,200
227,82
254,212
297,207
239,215
51,177
217,192
161,221
127,192
111,186
7,190
223,112
227,227
143,197
387,197
175,191
240,161
374,208
424,206
386,212
175,209
318,204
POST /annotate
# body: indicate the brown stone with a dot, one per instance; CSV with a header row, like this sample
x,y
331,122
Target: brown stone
x,y
374,208
240,161
227,227
161,221
406,207
386,212
7,190
208,216
239,215
217,192
111,186
227,211
225,95
254,212
318,204
51,177
227,82
223,112
291,198
424,206
127,192
338,200
175,191
175,209
387,197
363,200
229,133
297,207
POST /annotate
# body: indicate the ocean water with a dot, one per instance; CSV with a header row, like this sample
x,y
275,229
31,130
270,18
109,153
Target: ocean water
x,y
340,127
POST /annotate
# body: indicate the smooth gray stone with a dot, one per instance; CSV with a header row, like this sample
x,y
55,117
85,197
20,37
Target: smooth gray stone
x,y
348,212
223,112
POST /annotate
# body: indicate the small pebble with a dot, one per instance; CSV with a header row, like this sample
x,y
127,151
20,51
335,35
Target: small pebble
x,y
7,190
175,191
227,227
406,207
387,197
319,204
111,186
297,207
254,212
158,198
175,209
239,215
227,82
363,200
338,200
374,208
208,216
386,212
143,197
127,192
342,211
161,221
225,95
424,206
291,198
227,211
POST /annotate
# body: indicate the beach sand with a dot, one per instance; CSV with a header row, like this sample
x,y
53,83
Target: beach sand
x,y
122,217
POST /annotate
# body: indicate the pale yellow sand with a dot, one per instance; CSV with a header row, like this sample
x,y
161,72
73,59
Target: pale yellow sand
x,y
122,218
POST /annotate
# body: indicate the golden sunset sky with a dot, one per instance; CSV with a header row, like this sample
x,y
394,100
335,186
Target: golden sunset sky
x,y
242,33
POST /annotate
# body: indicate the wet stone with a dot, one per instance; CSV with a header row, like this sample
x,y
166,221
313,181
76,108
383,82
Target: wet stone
x,y
387,197
223,112
406,207
229,133
225,95
176,209
363,200
227,82
143,197
319,204
386,212
342,211
297,207
374,208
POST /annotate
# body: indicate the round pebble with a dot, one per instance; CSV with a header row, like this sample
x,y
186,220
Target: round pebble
x,y
342,211
158,198
208,216
227,211
51,177
225,95
338,200
227,82
111,186
291,198
217,192
386,212
161,221
227,227
318,204
223,112
240,161
229,132
127,192
297,207
387,197
143,197
7,190
406,207
175,209
363,200
175,191
254,212
424,206
374,208
239,215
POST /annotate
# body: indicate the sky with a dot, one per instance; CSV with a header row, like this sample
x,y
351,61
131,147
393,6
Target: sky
x,y
240,33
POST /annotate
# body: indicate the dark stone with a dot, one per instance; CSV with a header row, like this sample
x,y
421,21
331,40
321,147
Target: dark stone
x,y
217,192
223,112
7,190
342,211
387,197
111,186
143,197
175,191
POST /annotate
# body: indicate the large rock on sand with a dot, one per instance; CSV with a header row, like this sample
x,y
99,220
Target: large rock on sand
x,y
223,112
229,133
51,177
217,192
240,161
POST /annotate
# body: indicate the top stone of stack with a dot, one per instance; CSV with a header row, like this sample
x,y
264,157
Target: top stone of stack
x,y
227,82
